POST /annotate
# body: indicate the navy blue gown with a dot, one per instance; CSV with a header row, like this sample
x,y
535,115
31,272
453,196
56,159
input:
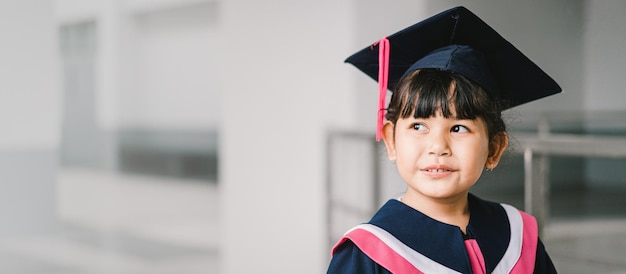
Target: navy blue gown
x,y
441,242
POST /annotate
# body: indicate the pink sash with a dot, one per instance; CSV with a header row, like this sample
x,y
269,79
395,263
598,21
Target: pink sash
x,y
389,252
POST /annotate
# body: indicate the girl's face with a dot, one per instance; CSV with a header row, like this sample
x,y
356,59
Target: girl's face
x,y
439,158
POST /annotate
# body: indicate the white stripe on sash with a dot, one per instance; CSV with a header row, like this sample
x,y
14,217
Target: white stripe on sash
x,y
514,251
421,262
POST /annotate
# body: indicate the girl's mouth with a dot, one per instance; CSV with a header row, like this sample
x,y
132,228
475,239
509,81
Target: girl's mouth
x,y
437,168
437,171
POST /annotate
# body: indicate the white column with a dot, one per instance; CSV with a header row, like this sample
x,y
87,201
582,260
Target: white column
x,y
29,115
283,85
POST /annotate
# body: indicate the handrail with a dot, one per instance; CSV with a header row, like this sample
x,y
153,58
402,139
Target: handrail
x,y
572,144
537,147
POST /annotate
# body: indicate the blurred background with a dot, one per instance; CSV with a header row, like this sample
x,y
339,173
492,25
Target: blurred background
x,y
228,136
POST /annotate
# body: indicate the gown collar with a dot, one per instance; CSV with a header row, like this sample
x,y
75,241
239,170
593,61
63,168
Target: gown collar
x,y
444,243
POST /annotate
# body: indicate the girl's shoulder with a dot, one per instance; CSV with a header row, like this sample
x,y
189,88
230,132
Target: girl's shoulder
x,y
348,258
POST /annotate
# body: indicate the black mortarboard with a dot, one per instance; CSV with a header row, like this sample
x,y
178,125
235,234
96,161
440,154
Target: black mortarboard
x,y
457,40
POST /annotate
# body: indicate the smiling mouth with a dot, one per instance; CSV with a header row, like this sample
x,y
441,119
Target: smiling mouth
x,y
437,172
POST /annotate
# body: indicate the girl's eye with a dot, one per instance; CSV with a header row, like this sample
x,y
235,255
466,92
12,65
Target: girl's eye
x,y
419,127
459,129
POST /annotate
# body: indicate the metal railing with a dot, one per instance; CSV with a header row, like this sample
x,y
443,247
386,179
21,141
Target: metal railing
x,y
536,148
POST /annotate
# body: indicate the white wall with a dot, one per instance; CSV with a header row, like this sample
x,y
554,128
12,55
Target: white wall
x,y
29,86
156,61
29,115
69,11
155,71
605,59
172,69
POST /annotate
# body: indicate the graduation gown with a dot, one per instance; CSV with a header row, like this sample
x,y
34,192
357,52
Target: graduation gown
x,y
492,243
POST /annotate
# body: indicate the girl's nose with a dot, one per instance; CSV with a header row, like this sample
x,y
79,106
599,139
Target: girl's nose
x,y
439,145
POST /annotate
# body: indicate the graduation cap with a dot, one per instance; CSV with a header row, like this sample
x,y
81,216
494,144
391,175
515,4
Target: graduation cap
x,y
455,40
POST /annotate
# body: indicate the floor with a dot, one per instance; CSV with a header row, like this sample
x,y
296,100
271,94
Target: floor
x,y
587,232
113,223
122,224
590,246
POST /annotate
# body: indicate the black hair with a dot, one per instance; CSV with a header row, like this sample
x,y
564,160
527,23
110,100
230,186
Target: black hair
x,y
423,93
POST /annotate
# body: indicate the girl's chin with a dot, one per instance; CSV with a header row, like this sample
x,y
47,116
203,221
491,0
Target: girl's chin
x,y
438,194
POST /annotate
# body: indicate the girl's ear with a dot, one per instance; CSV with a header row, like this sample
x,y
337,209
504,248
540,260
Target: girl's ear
x,y
390,142
496,148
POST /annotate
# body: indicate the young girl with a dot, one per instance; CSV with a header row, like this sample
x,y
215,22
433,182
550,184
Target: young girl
x,y
443,127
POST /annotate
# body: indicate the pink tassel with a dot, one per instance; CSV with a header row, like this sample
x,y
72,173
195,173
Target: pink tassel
x,y
383,75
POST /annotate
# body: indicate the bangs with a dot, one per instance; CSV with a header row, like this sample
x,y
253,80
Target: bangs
x,y
424,93
432,91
